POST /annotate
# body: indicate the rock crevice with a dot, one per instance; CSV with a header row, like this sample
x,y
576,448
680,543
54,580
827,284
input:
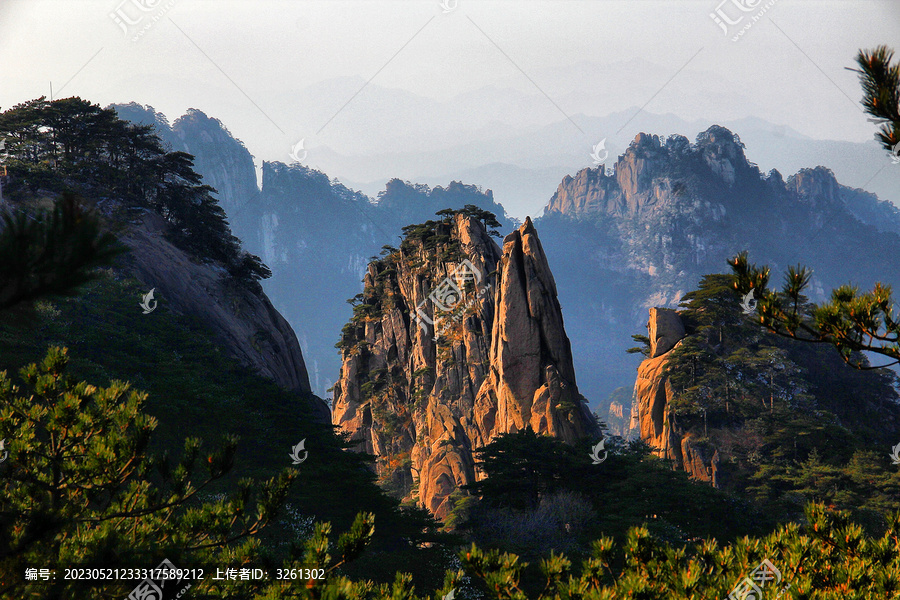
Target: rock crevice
x,y
652,413
455,343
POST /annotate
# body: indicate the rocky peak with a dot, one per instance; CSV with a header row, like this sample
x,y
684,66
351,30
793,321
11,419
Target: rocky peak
x,y
224,161
590,191
723,152
817,187
665,330
531,357
636,171
452,343
644,182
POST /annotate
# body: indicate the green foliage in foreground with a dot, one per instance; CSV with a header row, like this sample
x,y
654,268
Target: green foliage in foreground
x,y
78,488
827,558
195,390
542,495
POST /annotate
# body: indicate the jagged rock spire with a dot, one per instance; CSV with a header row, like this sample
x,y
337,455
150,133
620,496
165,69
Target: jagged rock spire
x,y
463,342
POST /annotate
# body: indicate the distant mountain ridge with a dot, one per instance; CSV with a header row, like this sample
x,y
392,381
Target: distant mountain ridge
x,y
618,244
642,234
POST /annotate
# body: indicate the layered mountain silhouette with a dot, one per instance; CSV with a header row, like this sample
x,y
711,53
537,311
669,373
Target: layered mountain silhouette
x,y
642,234
622,238
315,234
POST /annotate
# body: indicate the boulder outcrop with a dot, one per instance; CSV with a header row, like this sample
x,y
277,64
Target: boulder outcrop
x,y
455,342
652,413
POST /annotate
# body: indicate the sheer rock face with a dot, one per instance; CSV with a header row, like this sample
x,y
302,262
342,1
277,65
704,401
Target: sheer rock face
x,y
652,410
531,358
247,324
634,189
422,406
665,329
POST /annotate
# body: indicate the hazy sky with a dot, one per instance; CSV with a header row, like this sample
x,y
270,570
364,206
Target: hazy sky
x,y
256,65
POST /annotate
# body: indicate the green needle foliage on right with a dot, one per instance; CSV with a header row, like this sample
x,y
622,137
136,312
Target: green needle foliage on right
x,y
828,558
851,321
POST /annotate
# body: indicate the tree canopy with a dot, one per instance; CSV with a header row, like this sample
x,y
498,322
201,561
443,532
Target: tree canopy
x,y
51,251
71,145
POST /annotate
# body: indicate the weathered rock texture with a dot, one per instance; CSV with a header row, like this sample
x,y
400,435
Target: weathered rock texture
x,y
652,411
422,406
247,324
665,329
641,234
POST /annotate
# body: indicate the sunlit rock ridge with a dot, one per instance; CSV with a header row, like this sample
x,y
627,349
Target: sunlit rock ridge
x,y
421,405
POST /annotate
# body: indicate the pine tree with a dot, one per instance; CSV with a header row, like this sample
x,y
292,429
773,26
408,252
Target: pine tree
x,y
71,145
78,490
50,251
852,321
523,467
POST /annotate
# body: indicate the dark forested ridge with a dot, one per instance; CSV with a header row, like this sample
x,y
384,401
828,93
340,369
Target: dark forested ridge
x,y
73,145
